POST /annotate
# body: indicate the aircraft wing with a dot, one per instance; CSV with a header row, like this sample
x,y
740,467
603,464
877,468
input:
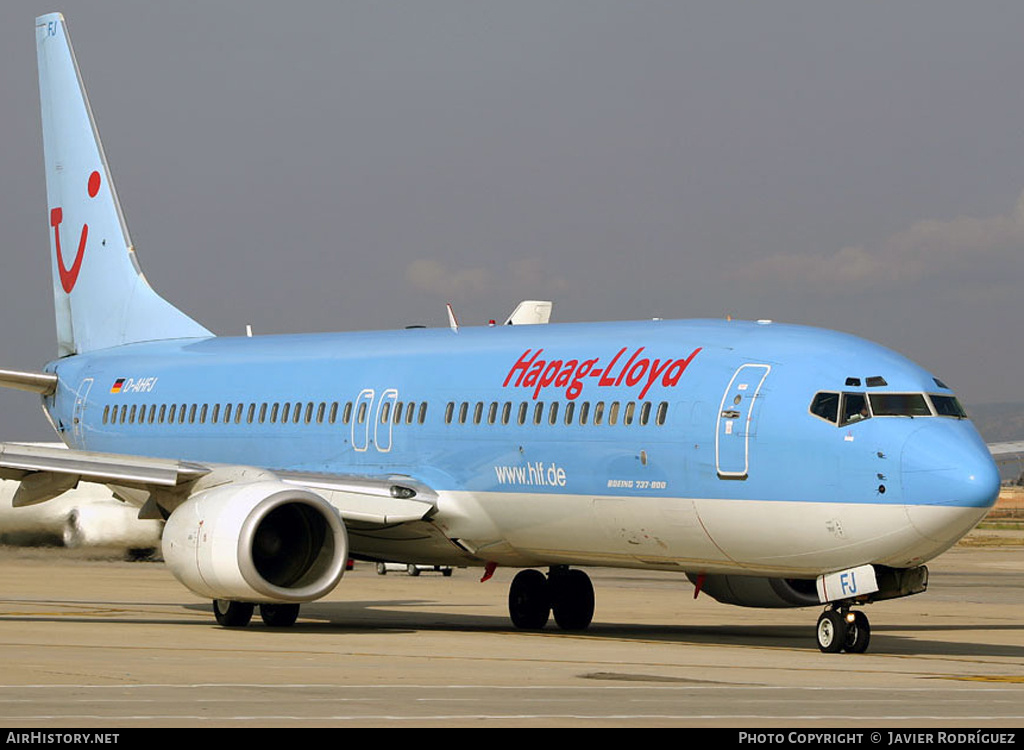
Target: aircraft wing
x,y
1004,452
20,460
376,500
46,471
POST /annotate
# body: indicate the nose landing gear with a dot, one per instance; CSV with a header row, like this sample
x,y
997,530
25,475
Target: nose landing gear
x,y
841,629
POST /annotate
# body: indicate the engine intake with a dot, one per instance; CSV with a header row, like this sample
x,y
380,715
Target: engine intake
x,y
257,542
752,591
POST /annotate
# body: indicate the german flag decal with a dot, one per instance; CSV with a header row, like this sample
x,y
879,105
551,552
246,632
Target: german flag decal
x,y
117,386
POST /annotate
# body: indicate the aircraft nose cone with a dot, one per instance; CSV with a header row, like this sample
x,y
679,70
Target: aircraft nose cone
x,y
949,479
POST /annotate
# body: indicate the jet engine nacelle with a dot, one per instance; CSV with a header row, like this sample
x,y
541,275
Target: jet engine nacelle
x,y
263,541
752,591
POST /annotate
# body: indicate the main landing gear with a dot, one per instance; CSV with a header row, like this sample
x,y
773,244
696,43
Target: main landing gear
x,y
842,629
238,614
534,597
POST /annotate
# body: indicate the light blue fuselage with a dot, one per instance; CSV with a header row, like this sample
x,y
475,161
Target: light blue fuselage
x,y
783,453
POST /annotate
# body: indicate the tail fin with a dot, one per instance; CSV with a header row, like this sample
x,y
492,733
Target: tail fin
x,y
101,297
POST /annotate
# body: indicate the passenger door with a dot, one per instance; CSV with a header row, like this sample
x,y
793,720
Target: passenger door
x,y
737,421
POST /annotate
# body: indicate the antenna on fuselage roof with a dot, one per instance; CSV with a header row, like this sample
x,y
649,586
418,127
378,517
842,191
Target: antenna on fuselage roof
x,y
452,322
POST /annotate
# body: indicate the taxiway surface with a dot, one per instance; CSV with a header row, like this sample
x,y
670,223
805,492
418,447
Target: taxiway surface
x,y
87,642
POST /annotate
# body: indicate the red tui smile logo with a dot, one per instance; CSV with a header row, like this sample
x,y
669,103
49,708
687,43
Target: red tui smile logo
x,y
68,276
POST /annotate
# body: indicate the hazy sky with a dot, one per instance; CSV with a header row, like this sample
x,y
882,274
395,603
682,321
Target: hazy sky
x,y
313,166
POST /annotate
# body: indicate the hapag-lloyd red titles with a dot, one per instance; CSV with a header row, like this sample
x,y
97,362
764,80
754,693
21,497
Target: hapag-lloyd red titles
x,y
569,374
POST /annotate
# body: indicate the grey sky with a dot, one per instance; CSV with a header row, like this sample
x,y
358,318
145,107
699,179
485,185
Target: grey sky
x,y
343,165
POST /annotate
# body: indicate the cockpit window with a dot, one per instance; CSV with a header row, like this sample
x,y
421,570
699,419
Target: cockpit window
x,y
847,408
899,405
826,406
947,406
855,408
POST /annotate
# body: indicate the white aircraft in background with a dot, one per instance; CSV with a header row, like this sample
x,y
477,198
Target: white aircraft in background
x,y
84,516
1008,453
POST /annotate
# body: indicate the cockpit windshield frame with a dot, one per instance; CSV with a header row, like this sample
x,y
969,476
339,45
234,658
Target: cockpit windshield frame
x,y
848,407
900,405
947,405
855,409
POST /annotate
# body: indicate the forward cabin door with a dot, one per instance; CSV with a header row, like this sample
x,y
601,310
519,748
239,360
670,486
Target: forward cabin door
x,y
737,421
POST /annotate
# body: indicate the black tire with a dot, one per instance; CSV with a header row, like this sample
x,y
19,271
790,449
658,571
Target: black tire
x,y
528,600
446,572
279,615
232,614
572,599
831,632
412,570
858,634
382,569
139,554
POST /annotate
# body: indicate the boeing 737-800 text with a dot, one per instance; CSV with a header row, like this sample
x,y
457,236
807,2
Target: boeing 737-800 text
x,y
773,465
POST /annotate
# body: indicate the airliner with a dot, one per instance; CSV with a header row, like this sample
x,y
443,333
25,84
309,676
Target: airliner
x,y
770,465
86,516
